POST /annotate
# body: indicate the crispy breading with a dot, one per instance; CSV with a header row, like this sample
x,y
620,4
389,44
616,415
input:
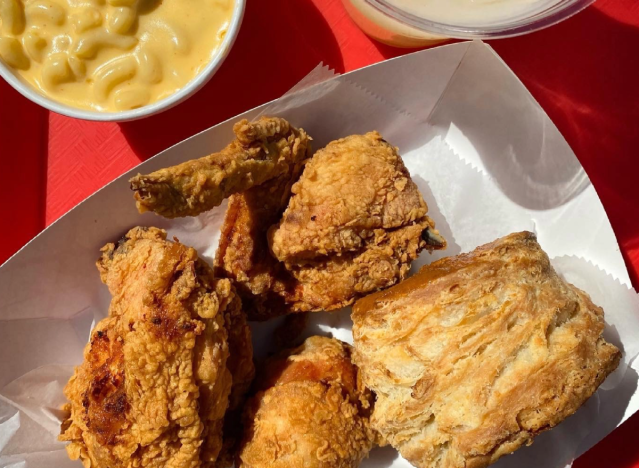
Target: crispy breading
x,y
154,385
335,281
240,364
349,190
477,354
261,151
353,225
310,411
243,254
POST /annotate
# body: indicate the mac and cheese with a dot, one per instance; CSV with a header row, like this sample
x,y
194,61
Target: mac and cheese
x,y
110,55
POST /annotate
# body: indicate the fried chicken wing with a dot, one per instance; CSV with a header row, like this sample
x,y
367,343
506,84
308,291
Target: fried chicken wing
x,y
155,382
261,151
477,354
243,254
310,411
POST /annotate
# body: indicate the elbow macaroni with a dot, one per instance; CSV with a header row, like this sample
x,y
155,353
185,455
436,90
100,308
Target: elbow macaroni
x,y
12,16
110,55
120,20
44,11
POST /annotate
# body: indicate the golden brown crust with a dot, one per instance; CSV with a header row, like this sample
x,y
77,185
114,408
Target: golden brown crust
x,y
336,281
261,151
354,225
243,254
240,365
310,411
349,190
154,386
477,354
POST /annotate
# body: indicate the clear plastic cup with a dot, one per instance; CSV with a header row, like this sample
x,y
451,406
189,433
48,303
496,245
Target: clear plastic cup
x,y
388,22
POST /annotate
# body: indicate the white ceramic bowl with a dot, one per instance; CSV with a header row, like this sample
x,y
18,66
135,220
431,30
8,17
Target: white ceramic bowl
x,y
155,108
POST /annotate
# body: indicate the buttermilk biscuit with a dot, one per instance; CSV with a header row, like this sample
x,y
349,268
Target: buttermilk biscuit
x,y
477,354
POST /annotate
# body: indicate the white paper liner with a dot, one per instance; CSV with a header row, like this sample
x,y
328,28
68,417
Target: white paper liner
x,y
469,207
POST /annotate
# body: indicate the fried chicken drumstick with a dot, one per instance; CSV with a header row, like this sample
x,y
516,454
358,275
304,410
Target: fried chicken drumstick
x,y
310,411
261,151
155,382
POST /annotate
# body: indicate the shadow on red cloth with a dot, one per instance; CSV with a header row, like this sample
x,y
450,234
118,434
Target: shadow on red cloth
x,y
23,173
256,71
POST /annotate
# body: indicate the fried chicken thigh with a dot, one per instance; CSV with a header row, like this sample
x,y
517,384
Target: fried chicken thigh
x,y
475,355
155,382
350,189
262,150
310,411
354,224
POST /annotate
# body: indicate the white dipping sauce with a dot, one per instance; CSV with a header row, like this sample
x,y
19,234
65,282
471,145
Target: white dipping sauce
x,y
473,12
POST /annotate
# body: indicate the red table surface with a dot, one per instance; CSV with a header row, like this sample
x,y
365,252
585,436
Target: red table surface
x,y
584,72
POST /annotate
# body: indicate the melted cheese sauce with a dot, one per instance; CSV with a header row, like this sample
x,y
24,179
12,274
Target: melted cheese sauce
x,y
111,55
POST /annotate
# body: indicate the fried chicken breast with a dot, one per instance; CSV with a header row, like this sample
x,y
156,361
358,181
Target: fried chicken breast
x,y
262,150
475,355
310,411
155,382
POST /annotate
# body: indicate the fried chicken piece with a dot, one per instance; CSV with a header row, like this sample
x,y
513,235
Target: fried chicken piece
x,y
243,254
310,411
349,190
335,281
261,151
155,382
242,369
340,237
476,354
354,224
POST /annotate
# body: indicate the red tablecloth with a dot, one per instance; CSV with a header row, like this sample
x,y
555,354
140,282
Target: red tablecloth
x,y
584,73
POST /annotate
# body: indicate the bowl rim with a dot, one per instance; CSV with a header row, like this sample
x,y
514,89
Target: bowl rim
x,y
550,16
162,105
